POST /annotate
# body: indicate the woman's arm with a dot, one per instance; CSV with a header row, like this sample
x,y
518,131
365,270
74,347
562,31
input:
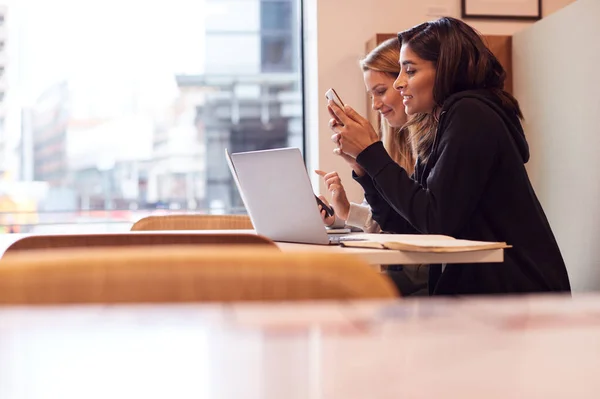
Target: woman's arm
x,y
360,216
464,159
381,211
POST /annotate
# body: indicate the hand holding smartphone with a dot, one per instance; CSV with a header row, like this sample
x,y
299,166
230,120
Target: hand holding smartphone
x,y
333,96
328,210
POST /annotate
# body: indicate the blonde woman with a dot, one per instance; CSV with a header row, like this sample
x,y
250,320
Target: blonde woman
x,y
380,69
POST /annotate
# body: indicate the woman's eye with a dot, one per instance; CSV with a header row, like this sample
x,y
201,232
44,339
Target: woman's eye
x,y
410,72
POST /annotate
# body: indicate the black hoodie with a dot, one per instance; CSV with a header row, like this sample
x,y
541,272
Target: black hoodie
x,y
473,186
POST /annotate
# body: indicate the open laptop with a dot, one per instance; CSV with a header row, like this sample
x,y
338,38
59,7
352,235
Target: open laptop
x,y
278,196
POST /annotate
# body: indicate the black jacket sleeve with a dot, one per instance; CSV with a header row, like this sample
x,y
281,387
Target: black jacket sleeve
x,y
388,219
461,165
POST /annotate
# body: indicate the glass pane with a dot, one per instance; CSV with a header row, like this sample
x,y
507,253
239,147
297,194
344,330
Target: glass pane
x,y
113,110
276,16
277,53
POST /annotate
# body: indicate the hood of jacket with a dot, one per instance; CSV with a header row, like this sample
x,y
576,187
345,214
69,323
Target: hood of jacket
x,y
510,118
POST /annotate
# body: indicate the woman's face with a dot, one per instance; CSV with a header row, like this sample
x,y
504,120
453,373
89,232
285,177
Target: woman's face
x,y
415,82
384,99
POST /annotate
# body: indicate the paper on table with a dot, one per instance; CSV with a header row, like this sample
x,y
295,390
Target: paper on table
x,y
441,246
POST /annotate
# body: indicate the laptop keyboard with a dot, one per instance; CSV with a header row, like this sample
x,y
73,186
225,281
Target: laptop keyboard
x,y
333,239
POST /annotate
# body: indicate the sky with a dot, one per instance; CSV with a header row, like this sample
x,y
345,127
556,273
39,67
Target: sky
x,y
104,46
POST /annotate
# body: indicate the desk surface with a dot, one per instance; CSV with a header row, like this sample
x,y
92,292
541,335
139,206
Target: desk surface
x,y
372,256
530,347
390,257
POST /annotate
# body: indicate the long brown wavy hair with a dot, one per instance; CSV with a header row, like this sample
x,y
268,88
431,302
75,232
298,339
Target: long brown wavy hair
x,y
384,58
462,62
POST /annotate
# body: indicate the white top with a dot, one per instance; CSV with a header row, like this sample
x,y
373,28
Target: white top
x,y
359,216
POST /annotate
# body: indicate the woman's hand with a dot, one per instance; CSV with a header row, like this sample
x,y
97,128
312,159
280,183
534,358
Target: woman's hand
x,y
351,161
339,200
352,132
333,122
327,220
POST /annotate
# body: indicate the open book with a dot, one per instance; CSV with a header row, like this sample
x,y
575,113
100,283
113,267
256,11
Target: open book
x,y
437,246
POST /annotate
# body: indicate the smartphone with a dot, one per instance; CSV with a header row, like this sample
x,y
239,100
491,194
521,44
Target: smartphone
x,y
328,209
333,96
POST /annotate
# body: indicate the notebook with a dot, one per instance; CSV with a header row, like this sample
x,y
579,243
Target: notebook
x,y
428,245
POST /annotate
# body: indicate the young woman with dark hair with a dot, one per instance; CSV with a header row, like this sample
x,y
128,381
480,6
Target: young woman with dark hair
x,y
470,180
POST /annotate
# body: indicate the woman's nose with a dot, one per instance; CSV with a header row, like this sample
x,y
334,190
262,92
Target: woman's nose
x,y
375,104
399,83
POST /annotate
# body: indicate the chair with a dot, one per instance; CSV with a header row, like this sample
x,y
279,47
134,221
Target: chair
x,y
185,274
194,222
38,242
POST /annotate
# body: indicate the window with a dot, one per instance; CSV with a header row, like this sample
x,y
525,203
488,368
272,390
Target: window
x,y
124,120
276,54
276,16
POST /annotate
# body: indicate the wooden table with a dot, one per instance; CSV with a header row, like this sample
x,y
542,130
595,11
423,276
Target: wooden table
x,y
372,256
526,347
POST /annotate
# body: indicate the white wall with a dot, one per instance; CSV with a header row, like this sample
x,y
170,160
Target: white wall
x,y
335,37
556,80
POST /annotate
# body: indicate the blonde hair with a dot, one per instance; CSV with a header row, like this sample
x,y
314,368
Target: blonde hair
x,y
397,141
